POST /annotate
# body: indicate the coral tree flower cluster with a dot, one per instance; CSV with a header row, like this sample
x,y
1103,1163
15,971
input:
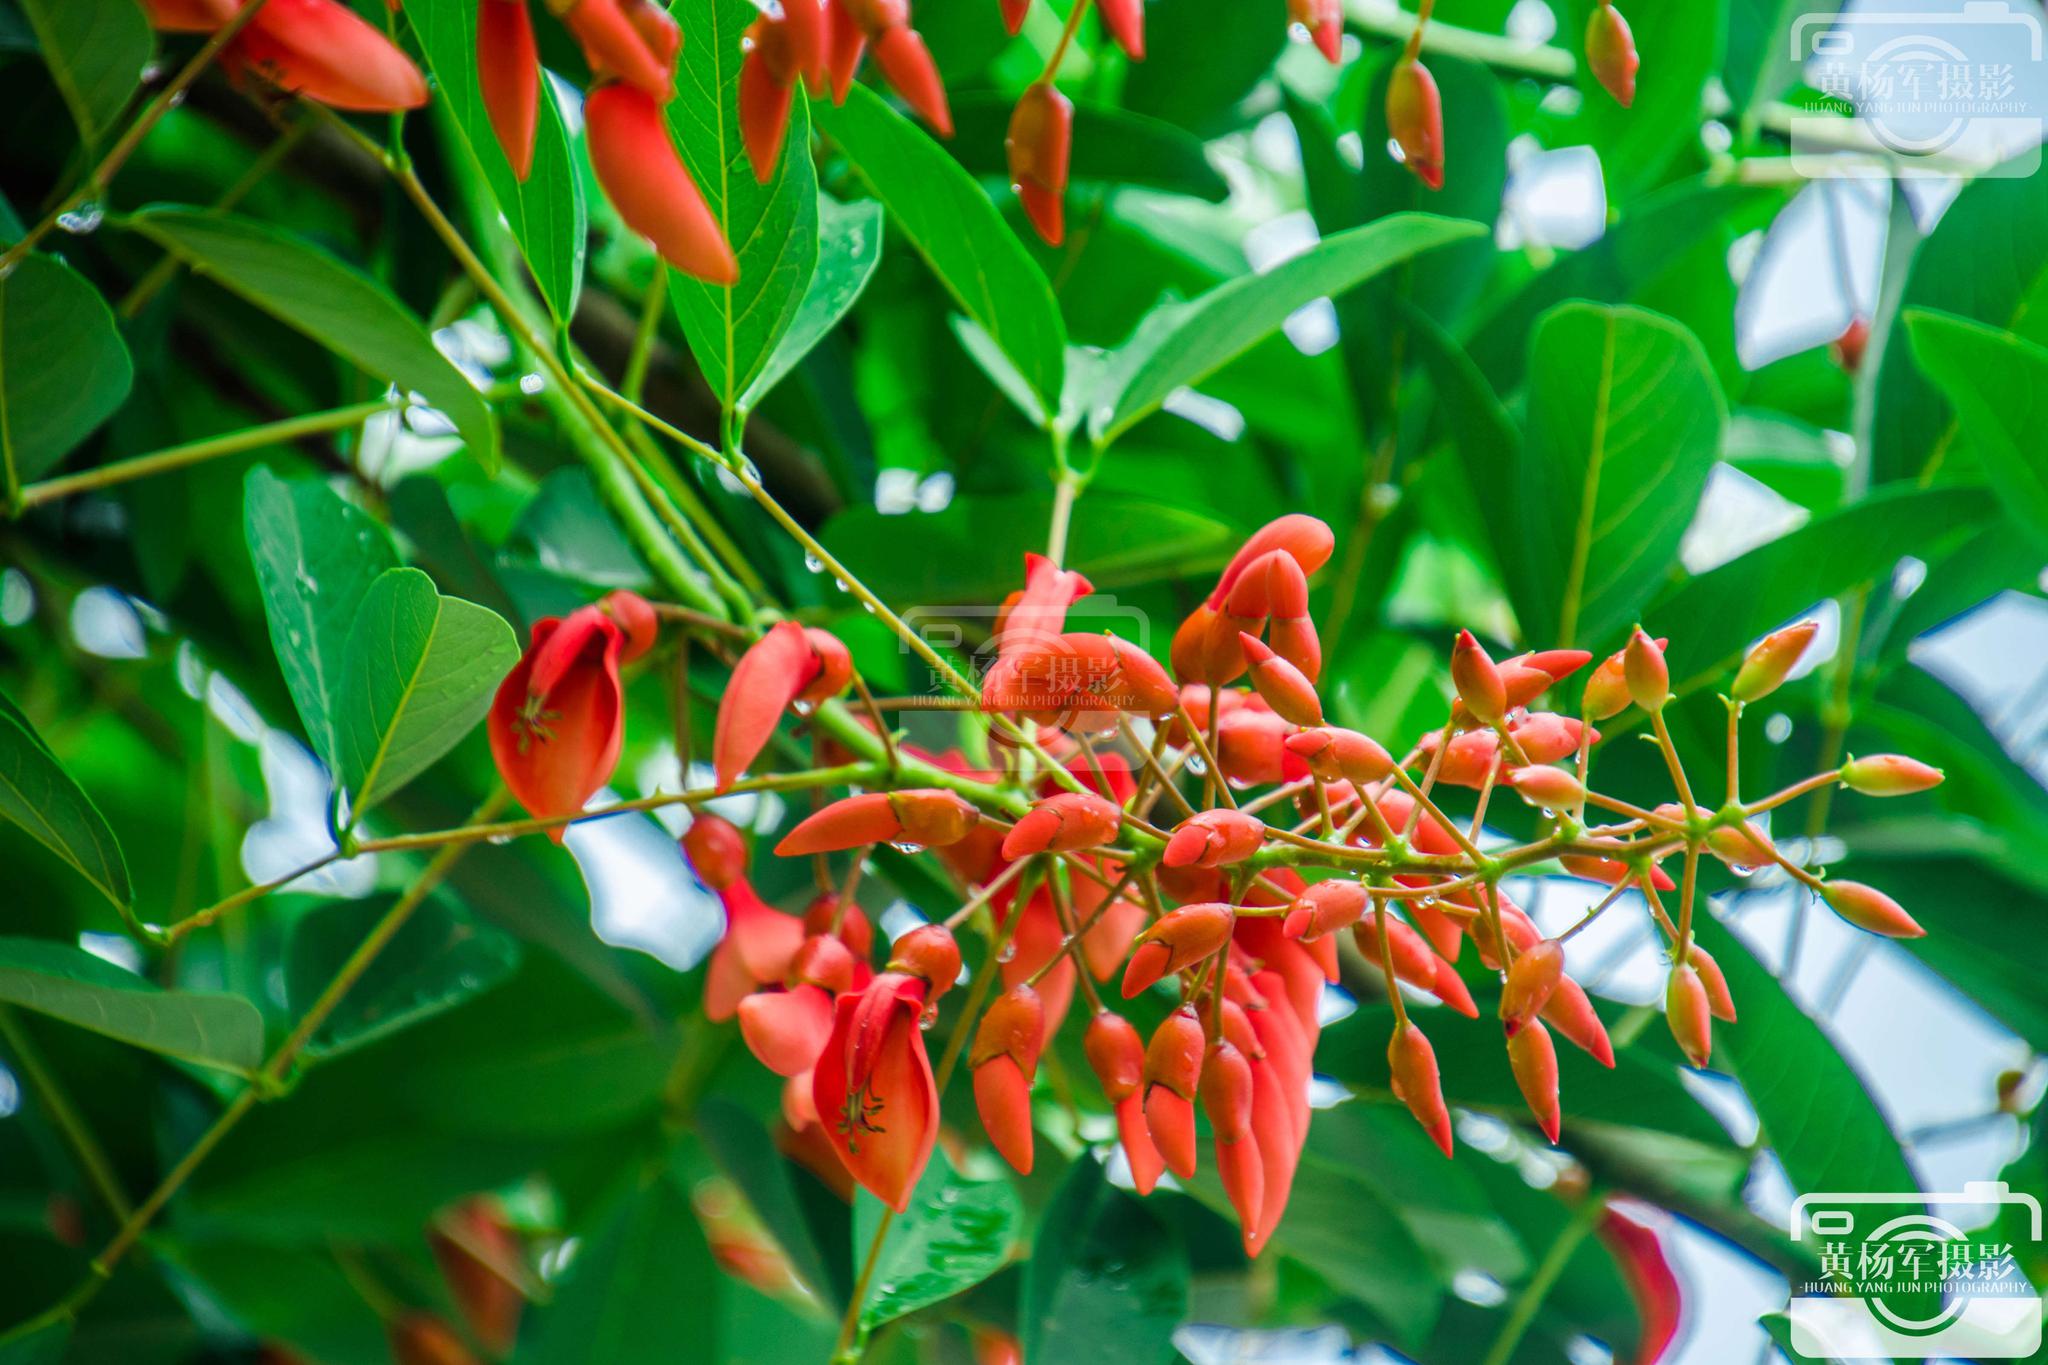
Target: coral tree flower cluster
x,y
1216,847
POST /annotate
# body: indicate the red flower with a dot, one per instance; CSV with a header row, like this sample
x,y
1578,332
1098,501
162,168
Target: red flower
x,y
323,50
559,716
873,1087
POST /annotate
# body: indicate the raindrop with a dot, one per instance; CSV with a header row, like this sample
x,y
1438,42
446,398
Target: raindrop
x,y
1008,952
1742,869
85,218
531,383
907,848
498,839
1196,766
812,563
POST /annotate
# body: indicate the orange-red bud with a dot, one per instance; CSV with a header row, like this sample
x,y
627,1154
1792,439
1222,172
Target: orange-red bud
x,y
1180,939
644,177
508,77
1115,1054
1689,1012
1062,824
1214,838
1415,117
1291,695
1335,754
1543,785
1324,20
1173,1070
1889,775
717,851
633,613
931,953
1770,660
768,75
1607,691
1866,907
1325,908
1533,1059
1530,983
1611,53
1039,143
1412,1062
930,817
907,62
1125,20
1478,681
1644,669
1719,1001
1004,1058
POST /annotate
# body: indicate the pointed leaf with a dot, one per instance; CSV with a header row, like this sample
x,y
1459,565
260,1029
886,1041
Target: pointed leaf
x,y
642,1288
418,675
95,50
956,1234
1182,344
1998,384
37,794
546,213
315,558
1106,1278
63,366
849,249
1624,426
71,984
950,220
335,304
773,228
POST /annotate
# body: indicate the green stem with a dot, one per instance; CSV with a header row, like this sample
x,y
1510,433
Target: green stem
x,y
1548,1272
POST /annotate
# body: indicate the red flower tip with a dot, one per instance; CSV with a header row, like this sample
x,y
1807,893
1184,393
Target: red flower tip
x,y
1689,1013
1214,838
1062,824
1039,144
1533,1058
326,52
907,63
716,849
508,75
644,177
1611,53
1416,1083
1415,118
1531,980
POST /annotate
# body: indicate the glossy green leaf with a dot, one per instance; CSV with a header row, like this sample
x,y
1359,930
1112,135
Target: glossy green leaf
x,y
973,551
734,329
335,304
38,795
849,249
440,958
1183,343
1711,619
1105,1277
546,212
1998,384
1681,49
95,50
1816,1112
1624,425
1202,57
641,1288
956,1234
1111,146
71,984
63,366
315,556
417,676
948,217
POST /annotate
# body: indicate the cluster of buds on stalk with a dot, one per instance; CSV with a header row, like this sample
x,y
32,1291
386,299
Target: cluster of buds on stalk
x,y
820,43
1212,842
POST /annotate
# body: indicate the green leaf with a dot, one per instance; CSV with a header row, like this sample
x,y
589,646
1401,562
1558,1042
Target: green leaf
x,y
956,1234
417,676
335,304
1113,146
1681,50
440,958
949,219
1202,57
1815,1112
1106,1280
849,249
1988,260
63,366
37,794
642,1288
43,1346
744,1151
71,984
315,556
1998,384
1183,343
1715,616
1624,426
734,329
95,50
973,551
546,213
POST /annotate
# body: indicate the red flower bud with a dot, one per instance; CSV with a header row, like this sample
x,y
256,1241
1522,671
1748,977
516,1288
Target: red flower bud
x,y
1173,1070
1866,907
774,672
1040,140
835,667
930,953
1115,1054
1179,940
716,849
1335,754
1416,1083
1770,659
1013,15
1324,21
480,1257
1325,908
646,181
1543,785
1612,872
805,27
1738,845
326,52
1889,775
1533,1059
1850,345
1415,117
1004,1058
1214,838
1531,981
508,76
1308,541
1290,630
768,75
1226,1090
1478,681
1719,1001
1292,696
1689,1013
1125,20
905,60
1063,823
558,718
1643,667
929,817
787,1029
1570,1011
1611,53
614,35
1607,689
1546,737
635,615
